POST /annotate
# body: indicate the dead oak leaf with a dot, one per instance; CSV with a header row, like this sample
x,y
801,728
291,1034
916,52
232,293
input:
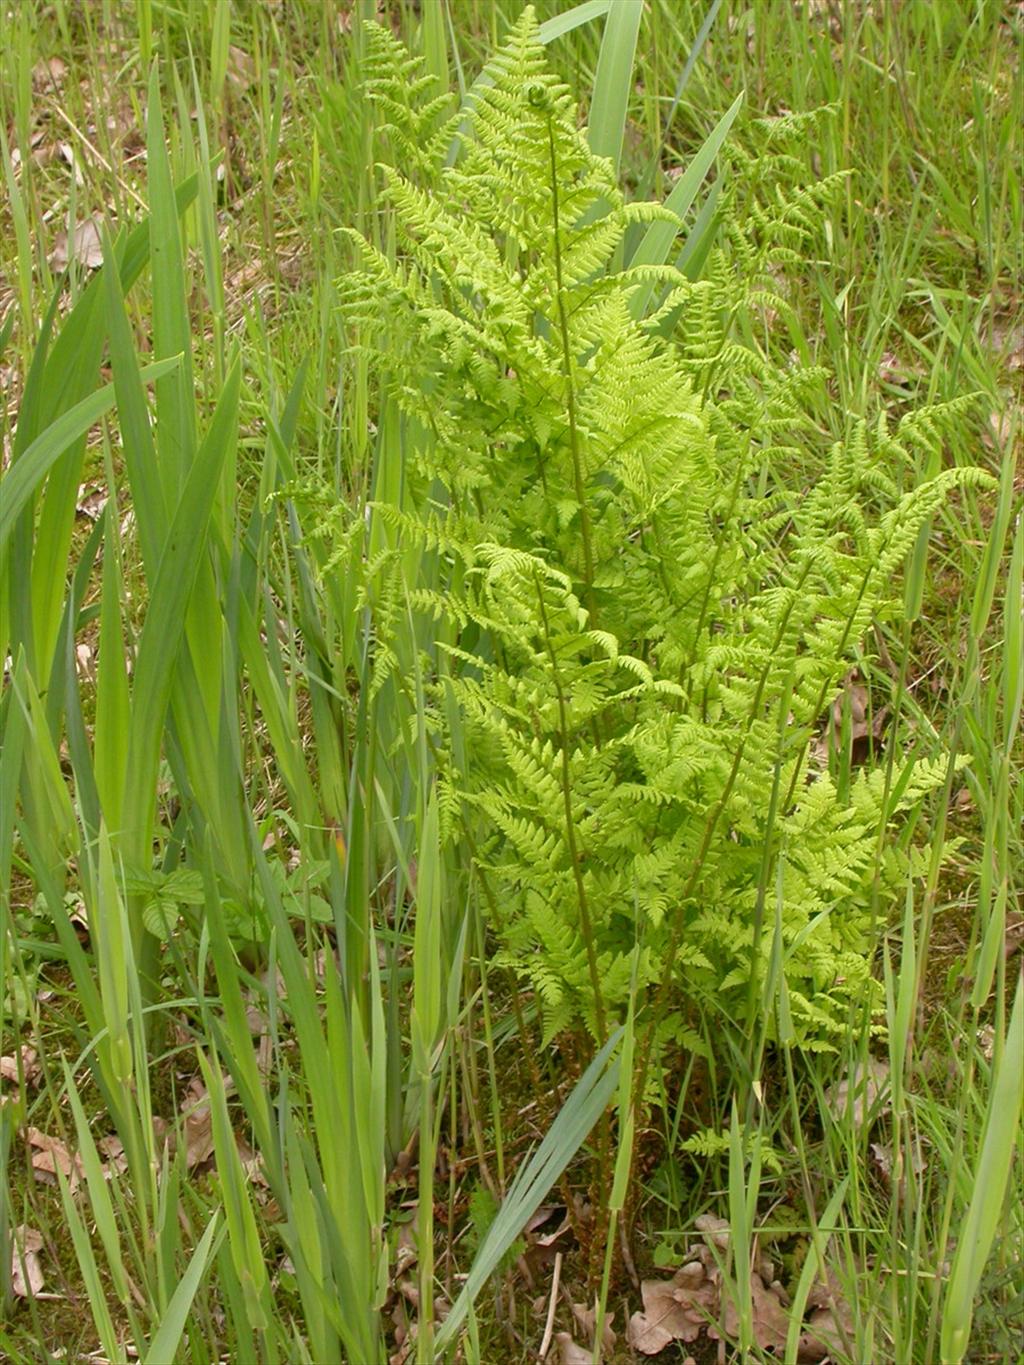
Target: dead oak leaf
x,y
85,247
586,1319
50,1155
770,1319
26,1269
674,1310
826,1334
865,1092
198,1125
570,1352
19,1066
829,1329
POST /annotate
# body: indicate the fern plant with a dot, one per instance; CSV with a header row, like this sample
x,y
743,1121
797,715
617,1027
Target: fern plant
x,y
639,622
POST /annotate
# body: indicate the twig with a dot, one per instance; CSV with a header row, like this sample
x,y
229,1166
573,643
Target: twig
x,y
549,1326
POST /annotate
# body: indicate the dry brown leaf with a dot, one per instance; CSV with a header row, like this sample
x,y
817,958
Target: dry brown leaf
x,y
674,1310
771,1321
716,1230
570,1352
1013,934
198,1124
26,1269
48,72
866,724
51,1155
30,1070
86,247
586,1319
866,1088
241,69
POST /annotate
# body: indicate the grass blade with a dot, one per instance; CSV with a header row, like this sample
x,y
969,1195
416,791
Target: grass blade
x,y
164,1345
536,1177
988,1189
28,472
613,83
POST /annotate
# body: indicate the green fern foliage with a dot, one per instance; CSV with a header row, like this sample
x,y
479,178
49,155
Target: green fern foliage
x,y
639,622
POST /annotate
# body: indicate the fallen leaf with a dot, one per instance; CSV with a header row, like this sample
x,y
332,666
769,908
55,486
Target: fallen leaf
x,y
571,1353
1013,935
241,68
865,1089
674,1310
51,1155
770,1319
198,1124
26,1270
86,247
25,1059
586,1319
716,1230
866,724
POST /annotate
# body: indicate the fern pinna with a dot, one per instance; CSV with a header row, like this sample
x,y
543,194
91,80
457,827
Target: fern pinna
x,y
637,624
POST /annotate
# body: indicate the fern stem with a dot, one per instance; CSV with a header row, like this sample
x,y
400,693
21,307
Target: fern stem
x,y
570,395
570,828
712,575
711,825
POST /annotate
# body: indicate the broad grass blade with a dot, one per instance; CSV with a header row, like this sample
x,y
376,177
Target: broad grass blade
x,y
613,82
165,1342
988,1188
535,1178
162,632
656,245
29,470
561,24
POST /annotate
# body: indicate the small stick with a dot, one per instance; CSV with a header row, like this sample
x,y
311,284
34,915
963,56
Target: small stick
x,y
549,1326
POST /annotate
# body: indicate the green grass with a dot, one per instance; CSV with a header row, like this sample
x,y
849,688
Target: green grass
x,y
187,690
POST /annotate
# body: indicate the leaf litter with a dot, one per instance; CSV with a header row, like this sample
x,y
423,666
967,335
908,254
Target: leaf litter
x,y
697,1299
27,1278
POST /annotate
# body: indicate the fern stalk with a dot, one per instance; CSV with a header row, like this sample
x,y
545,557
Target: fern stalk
x,y
570,387
570,827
